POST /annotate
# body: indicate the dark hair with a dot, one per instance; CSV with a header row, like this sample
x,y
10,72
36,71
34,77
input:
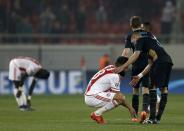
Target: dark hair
x,y
42,74
147,26
135,21
120,61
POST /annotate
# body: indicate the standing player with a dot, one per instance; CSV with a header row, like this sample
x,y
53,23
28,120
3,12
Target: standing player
x,y
160,66
147,27
103,92
137,67
19,69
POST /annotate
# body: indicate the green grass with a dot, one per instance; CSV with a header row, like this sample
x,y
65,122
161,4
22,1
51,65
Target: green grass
x,y
69,113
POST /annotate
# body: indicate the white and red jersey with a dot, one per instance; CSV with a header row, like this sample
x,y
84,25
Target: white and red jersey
x,y
23,65
104,80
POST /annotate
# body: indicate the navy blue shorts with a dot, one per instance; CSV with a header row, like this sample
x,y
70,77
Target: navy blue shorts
x,y
160,74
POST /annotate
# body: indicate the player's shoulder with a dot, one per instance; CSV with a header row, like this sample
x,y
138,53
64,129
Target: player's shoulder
x,y
110,68
128,35
139,34
113,76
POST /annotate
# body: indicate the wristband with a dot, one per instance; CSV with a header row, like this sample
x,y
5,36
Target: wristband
x,y
140,75
20,89
29,97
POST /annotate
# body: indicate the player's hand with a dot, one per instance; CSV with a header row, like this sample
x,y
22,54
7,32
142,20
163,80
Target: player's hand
x,y
133,113
19,93
135,80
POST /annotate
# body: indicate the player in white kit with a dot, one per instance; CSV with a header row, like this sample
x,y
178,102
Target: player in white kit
x,y
103,91
19,69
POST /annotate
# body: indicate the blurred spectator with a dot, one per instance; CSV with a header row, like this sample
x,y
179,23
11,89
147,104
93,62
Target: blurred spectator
x,y
56,30
101,15
3,21
64,18
85,16
46,19
104,61
56,27
24,28
81,20
168,14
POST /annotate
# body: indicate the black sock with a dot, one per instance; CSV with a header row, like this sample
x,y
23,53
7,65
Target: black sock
x,y
135,103
153,100
162,105
145,102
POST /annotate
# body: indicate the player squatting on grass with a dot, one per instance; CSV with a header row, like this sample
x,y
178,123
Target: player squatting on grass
x,y
103,92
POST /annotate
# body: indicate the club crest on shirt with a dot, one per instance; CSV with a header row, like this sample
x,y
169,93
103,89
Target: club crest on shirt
x,y
117,84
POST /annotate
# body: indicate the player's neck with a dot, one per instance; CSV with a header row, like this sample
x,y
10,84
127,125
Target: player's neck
x,y
134,29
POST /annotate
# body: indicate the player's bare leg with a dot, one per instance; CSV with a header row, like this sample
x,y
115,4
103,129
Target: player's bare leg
x,y
97,115
20,96
30,92
120,98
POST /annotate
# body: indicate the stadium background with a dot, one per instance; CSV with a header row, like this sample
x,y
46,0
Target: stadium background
x,y
69,36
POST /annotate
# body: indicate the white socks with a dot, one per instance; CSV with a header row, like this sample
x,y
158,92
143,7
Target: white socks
x,y
105,108
22,99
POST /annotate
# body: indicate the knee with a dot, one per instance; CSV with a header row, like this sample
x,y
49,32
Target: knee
x,y
18,84
164,90
119,97
145,90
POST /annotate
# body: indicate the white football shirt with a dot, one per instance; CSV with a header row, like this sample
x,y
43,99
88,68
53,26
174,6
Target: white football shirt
x,y
104,80
23,65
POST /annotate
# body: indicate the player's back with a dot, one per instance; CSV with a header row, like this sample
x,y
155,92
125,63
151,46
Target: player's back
x,y
26,62
146,42
142,61
103,80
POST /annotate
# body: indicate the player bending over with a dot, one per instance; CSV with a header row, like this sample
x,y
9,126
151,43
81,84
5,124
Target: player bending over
x,y
19,69
159,65
103,91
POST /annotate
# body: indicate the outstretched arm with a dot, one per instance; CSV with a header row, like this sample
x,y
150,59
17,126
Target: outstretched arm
x,y
130,108
126,52
30,92
32,87
120,98
136,79
147,68
131,60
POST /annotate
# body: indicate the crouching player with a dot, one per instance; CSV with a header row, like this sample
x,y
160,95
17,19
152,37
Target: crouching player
x,y
19,69
103,92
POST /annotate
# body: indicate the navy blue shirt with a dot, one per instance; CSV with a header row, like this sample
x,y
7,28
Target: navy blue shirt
x,y
147,43
142,61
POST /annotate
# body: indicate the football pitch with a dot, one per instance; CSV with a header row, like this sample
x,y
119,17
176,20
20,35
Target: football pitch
x,y
69,113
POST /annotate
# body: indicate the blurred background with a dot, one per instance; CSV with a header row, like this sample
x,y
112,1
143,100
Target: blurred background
x,y
75,38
